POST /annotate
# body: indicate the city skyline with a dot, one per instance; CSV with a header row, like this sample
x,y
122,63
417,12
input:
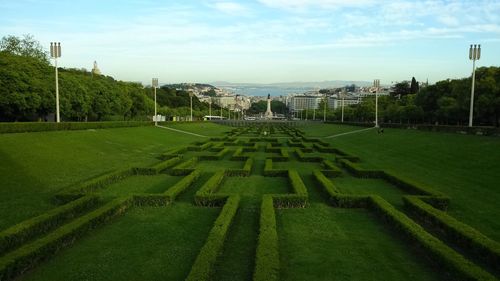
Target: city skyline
x,y
264,41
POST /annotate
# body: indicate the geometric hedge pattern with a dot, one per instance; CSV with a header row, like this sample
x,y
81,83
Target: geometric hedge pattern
x,y
269,150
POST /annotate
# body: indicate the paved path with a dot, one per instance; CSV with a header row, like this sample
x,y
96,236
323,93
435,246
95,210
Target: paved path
x,y
181,131
347,133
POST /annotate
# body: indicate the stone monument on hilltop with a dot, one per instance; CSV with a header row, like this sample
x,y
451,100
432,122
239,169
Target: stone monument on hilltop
x,y
269,113
95,70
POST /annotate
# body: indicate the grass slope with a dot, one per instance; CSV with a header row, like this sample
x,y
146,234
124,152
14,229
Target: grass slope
x,y
145,244
464,167
34,166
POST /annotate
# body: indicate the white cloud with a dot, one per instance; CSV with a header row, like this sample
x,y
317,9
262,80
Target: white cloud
x,y
231,8
305,4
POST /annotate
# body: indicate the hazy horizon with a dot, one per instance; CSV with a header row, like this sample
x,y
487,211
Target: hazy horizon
x,y
263,41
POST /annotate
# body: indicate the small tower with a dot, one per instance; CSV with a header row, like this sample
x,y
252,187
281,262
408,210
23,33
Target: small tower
x,y
269,113
95,70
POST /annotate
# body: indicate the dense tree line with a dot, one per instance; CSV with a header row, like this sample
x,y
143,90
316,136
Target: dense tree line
x,y
446,102
27,90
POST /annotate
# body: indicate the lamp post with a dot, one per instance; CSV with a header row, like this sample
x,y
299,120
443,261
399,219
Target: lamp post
x,y
376,84
155,85
191,101
55,52
343,96
324,110
210,109
474,54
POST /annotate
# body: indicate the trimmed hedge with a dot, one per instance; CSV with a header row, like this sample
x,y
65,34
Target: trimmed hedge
x,y
446,257
302,157
157,168
245,172
238,155
173,153
359,172
218,156
206,196
267,261
272,149
184,168
336,198
321,148
466,237
92,184
204,264
22,232
168,196
270,172
283,157
31,254
331,169
22,127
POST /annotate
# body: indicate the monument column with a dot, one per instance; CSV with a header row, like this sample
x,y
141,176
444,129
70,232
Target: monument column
x,y
269,113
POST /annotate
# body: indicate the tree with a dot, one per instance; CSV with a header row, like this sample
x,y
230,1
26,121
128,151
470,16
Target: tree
x,y
414,87
401,89
26,46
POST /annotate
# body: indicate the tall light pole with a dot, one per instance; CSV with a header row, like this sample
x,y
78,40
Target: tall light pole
x,y
155,85
474,54
343,96
376,84
191,100
324,110
210,108
55,52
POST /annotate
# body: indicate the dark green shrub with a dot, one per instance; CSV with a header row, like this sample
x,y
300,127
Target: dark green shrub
x,y
26,257
267,262
446,257
466,237
21,127
205,195
20,233
203,266
270,172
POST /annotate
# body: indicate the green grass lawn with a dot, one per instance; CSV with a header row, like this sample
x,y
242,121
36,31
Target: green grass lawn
x,y
318,242
145,244
324,243
140,184
466,168
35,166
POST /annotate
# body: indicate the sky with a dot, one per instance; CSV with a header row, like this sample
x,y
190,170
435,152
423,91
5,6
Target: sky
x,y
263,41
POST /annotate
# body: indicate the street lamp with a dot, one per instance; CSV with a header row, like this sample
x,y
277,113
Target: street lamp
x,y
55,52
191,100
324,110
343,96
155,85
210,109
474,54
376,84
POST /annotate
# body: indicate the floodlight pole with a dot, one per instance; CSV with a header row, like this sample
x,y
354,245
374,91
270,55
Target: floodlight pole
x,y
474,54
191,101
210,109
55,52
324,109
376,83
343,95
155,85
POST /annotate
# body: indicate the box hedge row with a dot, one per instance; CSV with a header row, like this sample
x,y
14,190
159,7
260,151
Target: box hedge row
x,y
245,172
206,196
204,265
455,264
270,172
267,261
336,198
31,254
93,184
22,127
466,237
22,232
